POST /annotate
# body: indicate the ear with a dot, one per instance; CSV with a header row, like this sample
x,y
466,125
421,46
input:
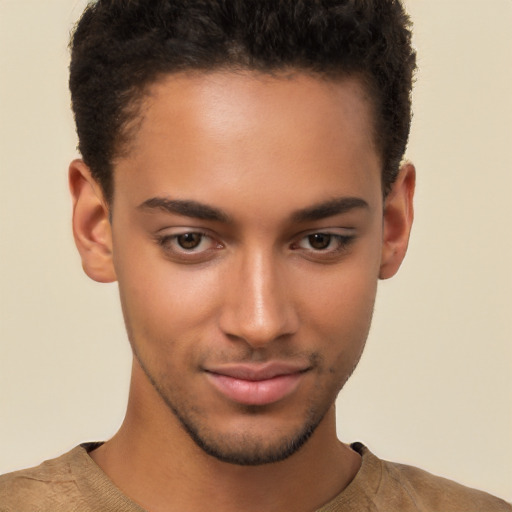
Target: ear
x,y
398,217
91,225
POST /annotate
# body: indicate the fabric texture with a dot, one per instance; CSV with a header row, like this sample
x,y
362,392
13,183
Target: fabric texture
x,y
74,483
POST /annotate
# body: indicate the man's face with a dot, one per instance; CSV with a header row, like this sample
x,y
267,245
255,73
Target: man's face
x,y
247,233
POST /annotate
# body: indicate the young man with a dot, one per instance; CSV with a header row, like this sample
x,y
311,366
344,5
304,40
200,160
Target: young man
x,y
241,180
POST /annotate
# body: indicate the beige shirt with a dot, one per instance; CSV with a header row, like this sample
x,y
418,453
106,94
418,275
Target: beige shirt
x,y
74,483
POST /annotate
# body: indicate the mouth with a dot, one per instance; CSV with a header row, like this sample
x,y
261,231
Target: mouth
x,y
261,384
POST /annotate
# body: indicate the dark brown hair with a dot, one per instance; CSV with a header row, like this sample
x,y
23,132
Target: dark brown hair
x,y
120,47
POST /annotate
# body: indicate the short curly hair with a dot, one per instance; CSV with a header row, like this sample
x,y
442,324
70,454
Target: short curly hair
x,y
120,47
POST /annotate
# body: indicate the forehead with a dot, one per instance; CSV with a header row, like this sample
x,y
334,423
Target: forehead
x,y
199,132
229,100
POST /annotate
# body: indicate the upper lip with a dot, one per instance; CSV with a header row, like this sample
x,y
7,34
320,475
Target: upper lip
x,y
256,372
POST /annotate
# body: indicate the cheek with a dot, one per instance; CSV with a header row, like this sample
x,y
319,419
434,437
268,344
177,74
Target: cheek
x,y
343,300
163,304
343,325
339,311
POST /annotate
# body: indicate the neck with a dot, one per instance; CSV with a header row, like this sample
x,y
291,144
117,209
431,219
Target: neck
x,y
154,462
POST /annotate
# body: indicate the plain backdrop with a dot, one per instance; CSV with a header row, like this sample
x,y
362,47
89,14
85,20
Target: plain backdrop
x,y
434,387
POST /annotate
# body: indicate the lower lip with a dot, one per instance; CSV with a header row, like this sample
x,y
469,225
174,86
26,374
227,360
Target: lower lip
x,y
259,392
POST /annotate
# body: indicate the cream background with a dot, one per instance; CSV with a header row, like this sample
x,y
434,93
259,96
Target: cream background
x,y
434,387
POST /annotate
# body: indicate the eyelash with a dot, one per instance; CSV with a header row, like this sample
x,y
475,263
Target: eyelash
x,y
342,244
168,241
169,245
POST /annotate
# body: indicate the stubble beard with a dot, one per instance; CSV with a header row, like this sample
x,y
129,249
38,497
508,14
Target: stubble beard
x,y
249,452
242,449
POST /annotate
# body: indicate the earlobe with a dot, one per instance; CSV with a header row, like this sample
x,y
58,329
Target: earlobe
x,y
398,218
91,226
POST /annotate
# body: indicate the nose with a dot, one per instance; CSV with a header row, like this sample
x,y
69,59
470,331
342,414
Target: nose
x,y
258,305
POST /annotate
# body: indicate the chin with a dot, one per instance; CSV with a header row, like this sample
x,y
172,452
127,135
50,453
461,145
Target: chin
x,y
249,448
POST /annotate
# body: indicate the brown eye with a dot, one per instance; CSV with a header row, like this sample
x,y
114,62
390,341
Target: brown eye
x,y
319,241
189,240
189,246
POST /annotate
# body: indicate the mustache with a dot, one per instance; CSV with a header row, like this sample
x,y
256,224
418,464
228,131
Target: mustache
x,y
259,357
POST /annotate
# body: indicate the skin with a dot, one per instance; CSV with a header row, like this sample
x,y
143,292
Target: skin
x,y
267,283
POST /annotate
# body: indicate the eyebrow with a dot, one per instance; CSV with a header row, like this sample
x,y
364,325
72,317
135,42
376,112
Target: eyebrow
x,y
187,208
195,209
329,208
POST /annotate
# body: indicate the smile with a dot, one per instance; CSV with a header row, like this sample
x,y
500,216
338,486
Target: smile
x,y
256,385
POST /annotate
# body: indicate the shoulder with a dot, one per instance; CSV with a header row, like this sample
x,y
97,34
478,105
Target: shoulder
x,y
410,488
43,488
438,491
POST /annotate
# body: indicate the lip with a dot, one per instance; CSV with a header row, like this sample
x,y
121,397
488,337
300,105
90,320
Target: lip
x,y
262,384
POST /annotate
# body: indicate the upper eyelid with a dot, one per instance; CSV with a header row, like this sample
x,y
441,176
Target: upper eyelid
x,y
334,231
334,235
174,236
173,232
182,230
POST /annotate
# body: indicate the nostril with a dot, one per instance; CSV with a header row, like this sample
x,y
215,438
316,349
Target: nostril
x,y
261,332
